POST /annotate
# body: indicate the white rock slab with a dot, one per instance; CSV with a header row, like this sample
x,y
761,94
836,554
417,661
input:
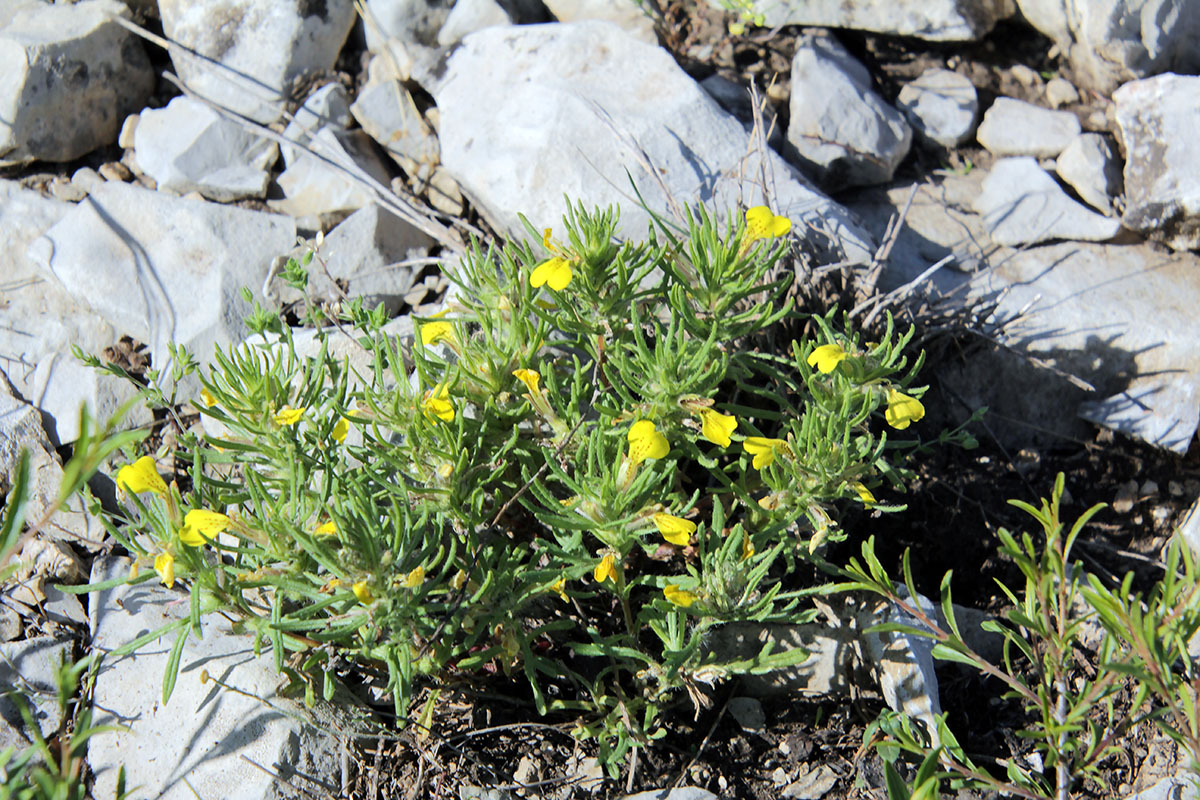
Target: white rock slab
x,y
841,131
163,268
387,113
1159,121
1022,204
1091,167
629,14
30,665
1120,317
941,106
317,190
936,20
71,75
327,107
1016,128
1179,787
226,742
578,102
189,147
1108,42
469,16
260,48
678,793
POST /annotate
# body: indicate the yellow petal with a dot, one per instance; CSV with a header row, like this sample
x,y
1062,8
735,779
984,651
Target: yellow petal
x,y
414,578
328,528
289,416
556,272
863,492
747,547
646,442
530,377
826,357
362,592
560,586
434,332
680,597
164,565
902,410
546,240
340,429
437,404
763,449
606,569
716,427
761,223
201,525
207,397
141,476
459,580
675,530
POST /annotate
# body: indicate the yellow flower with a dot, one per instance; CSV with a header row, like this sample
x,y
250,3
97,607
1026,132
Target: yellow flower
x,y
414,578
207,397
556,272
761,223
763,449
437,404
680,597
328,528
606,569
826,358
716,427
201,525
141,476
530,377
340,429
459,580
747,547
289,416
646,442
164,565
902,410
434,332
560,586
362,592
863,492
675,530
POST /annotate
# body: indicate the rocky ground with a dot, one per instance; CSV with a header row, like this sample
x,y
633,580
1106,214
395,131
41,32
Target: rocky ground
x,y
1021,180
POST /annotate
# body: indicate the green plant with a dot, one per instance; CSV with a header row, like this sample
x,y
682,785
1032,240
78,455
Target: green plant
x,y
547,481
1066,689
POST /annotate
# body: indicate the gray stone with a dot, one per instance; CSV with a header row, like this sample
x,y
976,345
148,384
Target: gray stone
x,y
469,16
591,100
229,742
30,666
812,784
259,49
189,147
678,793
1108,42
629,14
936,20
1090,166
736,99
841,131
387,113
1178,787
1016,128
1060,92
362,255
1158,119
1022,204
314,187
941,105
71,75
1121,318
10,623
61,385
748,713
327,107
164,269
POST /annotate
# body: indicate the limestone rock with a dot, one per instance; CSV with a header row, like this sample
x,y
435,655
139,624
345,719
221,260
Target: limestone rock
x,y
591,99
387,113
1022,204
31,664
469,16
1016,128
327,107
941,105
1158,119
1091,167
841,131
629,14
189,147
71,75
314,188
936,20
260,48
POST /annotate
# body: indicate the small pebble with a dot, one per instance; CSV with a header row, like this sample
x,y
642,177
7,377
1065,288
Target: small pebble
x,y
125,138
1126,497
62,189
1025,76
1175,488
779,777
115,171
1149,489
1060,92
